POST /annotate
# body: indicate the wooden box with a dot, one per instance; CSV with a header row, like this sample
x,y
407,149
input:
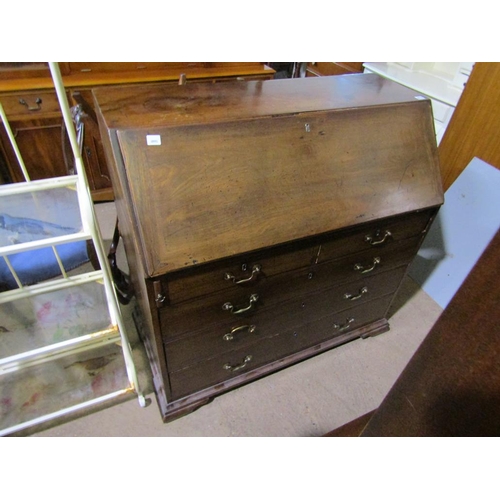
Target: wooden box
x,y
265,222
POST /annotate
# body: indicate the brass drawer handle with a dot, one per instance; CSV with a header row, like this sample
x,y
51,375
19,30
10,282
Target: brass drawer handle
x,y
363,270
38,101
350,296
160,299
369,239
345,326
230,335
251,301
235,368
256,269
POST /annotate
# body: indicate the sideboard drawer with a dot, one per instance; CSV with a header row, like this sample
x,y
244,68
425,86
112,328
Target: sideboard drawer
x,y
27,105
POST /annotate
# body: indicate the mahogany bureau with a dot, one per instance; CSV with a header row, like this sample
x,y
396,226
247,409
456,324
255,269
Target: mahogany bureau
x,y
265,222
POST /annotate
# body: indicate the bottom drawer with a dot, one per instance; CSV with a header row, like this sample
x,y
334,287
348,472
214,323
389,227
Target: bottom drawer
x,y
218,369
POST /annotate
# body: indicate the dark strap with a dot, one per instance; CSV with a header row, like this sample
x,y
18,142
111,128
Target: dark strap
x,y
123,286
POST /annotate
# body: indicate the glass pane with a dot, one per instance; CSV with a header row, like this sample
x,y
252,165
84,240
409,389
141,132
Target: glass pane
x,y
49,318
53,386
38,215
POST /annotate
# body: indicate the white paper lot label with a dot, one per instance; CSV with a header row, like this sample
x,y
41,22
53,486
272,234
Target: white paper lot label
x,y
153,140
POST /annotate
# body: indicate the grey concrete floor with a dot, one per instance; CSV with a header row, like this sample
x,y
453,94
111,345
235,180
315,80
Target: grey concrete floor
x,y
308,399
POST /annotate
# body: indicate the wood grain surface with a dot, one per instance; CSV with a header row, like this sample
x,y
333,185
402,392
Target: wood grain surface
x,y
214,191
160,105
473,128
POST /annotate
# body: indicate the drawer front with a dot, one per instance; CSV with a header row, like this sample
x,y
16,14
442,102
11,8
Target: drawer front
x,y
335,325
238,333
225,366
384,233
238,274
245,272
27,105
221,308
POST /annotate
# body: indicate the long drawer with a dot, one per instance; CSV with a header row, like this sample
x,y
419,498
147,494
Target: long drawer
x,y
258,266
220,368
221,308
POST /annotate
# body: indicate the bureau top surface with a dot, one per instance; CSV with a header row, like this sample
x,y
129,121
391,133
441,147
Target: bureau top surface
x,y
166,105
236,167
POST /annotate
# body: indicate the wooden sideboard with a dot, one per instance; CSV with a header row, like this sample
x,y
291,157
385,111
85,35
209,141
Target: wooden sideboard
x,y
333,68
26,92
264,222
